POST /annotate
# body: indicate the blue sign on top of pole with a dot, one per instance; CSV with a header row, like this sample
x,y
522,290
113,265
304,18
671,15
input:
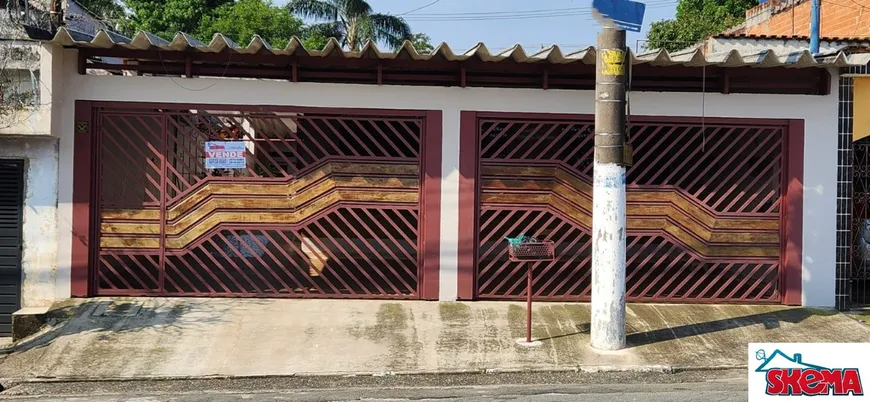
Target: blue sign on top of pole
x,y
625,14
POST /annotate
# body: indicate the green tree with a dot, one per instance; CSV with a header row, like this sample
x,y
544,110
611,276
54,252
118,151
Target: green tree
x,y
108,11
314,37
314,41
353,22
695,21
422,43
165,18
244,18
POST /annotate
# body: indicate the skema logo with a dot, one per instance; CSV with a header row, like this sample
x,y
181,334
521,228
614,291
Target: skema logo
x,y
791,376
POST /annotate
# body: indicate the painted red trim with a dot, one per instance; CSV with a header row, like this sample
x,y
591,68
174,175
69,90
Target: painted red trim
x,y
431,207
145,293
471,72
81,198
754,122
126,106
467,240
792,209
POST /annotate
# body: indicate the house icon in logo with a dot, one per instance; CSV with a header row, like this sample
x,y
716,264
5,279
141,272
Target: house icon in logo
x,y
779,360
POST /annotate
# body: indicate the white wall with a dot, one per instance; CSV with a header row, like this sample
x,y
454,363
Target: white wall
x,y
39,256
29,121
779,46
820,113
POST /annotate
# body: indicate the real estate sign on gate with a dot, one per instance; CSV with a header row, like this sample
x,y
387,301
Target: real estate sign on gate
x,y
225,155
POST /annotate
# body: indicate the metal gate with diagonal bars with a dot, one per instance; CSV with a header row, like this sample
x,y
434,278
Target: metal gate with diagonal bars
x,y
327,206
703,209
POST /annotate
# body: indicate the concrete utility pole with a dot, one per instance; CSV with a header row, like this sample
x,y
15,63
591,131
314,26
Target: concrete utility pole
x,y
608,199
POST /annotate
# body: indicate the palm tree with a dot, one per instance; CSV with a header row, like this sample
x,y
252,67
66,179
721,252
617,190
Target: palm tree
x,y
352,22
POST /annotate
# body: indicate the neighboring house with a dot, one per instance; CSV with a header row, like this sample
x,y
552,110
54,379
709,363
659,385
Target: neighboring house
x,y
397,175
28,165
843,19
781,44
19,67
28,159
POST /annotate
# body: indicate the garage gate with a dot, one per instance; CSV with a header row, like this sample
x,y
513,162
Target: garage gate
x,y
328,204
704,208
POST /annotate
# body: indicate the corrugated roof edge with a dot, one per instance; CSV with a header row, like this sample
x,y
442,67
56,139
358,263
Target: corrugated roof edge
x,y
551,55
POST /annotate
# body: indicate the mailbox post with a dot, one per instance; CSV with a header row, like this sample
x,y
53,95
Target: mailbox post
x,y
531,251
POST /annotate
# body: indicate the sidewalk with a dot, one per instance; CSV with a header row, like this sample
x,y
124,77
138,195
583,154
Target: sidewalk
x,y
145,337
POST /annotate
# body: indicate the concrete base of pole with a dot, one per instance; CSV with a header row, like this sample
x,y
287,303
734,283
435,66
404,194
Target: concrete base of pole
x,y
608,257
522,342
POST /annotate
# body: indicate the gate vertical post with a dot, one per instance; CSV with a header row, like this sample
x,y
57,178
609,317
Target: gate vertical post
x,y
469,138
792,214
163,169
608,201
431,206
84,244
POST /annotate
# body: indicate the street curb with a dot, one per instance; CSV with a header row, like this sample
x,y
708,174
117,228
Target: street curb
x,y
650,369
683,369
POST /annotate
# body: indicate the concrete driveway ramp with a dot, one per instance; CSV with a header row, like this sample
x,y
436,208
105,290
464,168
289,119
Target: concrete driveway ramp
x,y
111,308
159,337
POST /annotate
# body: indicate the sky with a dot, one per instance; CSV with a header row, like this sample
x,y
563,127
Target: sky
x,y
464,23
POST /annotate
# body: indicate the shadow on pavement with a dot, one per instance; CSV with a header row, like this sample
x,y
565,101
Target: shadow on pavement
x,y
113,317
770,320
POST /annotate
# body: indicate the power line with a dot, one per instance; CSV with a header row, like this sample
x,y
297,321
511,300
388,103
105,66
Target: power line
x,y
498,17
495,13
552,14
859,5
419,8
529,12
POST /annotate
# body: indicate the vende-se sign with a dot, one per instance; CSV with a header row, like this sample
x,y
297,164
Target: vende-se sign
x,y
225,155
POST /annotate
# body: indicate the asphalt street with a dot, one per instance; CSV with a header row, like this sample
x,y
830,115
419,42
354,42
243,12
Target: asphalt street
x,y
715,385
645,393
712,391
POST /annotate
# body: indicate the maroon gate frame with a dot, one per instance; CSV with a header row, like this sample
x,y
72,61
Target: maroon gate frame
x,y
790,211
86,191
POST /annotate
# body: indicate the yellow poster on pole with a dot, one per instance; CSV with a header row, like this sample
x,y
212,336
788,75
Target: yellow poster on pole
x,y
613,62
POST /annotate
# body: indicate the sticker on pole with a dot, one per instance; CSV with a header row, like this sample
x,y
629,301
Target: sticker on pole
x,y
225,155
624,14
612,62
808,371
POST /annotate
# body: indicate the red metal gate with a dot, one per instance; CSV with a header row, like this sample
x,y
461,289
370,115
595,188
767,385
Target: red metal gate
x,y
704,208
328,204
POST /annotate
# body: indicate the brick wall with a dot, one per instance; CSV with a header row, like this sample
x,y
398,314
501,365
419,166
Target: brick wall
x,y
839,18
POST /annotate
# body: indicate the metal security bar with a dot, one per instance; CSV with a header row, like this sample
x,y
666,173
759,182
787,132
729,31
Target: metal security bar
x,y
859,278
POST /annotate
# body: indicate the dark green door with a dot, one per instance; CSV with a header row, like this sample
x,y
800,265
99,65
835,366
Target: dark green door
x,y
11,219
